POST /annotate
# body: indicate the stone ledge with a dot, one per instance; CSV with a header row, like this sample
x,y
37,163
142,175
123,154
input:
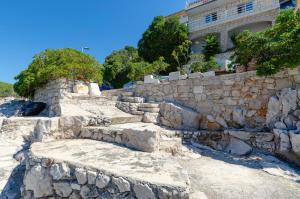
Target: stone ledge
x,y
89,168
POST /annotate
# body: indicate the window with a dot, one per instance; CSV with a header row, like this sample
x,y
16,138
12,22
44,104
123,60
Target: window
x,y
245,7
211,17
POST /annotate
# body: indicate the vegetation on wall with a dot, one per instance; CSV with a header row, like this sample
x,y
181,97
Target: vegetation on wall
x,y
125,65
59,63
211,46
274,49
6,90
162,37
200,65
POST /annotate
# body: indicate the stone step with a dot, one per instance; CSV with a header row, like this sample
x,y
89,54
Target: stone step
x,y
127,94
150,109
145,137
91,169
132,99
148,105
126,119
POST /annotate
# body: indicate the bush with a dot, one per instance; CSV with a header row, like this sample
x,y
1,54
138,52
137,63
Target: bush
x,y
204,66
274,49
53,64
211,47
6,90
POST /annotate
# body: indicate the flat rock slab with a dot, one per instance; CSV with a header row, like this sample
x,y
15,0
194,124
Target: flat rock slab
x,y
153,168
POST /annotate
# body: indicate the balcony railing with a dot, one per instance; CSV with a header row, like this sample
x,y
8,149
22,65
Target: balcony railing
x,y
198,3
232,14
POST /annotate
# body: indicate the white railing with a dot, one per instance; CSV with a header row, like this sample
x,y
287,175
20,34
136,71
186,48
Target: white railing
x,y
232,14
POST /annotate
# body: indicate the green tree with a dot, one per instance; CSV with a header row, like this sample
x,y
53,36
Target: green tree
x,y
117,66
181,54
59,63
274,49
160,40
211,46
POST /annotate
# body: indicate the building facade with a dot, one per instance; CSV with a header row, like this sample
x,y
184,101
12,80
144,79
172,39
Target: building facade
x,y
227,18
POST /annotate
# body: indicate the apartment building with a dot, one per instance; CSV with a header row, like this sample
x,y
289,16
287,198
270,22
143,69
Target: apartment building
x,y
227,18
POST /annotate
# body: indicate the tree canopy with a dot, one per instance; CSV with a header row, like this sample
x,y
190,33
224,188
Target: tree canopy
x,y
211,46
125,65
161,38
274,49
57,63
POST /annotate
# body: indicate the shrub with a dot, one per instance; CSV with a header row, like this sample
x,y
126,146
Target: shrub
x,y
211,46
53,64
204,66
6,90
274,49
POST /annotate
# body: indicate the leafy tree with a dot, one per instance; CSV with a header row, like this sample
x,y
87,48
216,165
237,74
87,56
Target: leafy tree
x,y
59,63
204,66
211,46
117,66
181,54
274,49
139,69
6,90
160,40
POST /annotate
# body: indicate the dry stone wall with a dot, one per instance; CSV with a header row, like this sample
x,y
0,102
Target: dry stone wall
x,y
228,101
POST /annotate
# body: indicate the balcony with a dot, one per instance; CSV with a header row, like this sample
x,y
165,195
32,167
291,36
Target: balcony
x,y
234,13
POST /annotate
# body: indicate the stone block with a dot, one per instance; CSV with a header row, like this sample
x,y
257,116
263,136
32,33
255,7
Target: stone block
x,y
149,79
81,89
238,147
94,90
174,76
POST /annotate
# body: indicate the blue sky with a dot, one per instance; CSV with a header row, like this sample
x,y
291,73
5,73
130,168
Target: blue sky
x,y
28,27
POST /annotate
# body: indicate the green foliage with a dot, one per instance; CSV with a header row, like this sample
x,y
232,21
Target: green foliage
x,y
204,66
274,49
59,63
118,64
211,47
161,39
181,54
6,90
139,69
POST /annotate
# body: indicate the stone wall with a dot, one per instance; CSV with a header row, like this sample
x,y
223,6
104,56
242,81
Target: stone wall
x,y
228,101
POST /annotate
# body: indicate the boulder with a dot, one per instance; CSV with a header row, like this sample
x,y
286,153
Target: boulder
x,y
289,99
102,181
238,116
81,89
295,141
151,118
122,184
81,176
32,109
238,147
39,181
94,90
60,171
63,189
274,111
143,192
71,125
282,141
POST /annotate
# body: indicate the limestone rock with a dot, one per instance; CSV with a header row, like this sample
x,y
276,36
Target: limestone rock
x,y
295,141
283,140
143,192
72,125
149,79
242,135
122,184
81,89
94,89
39,181
151,118
62,189
280,125
91,177
274,110
289,101
238,147
85,192
75,186
102,181
238,116
81,176
75,196
60,171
